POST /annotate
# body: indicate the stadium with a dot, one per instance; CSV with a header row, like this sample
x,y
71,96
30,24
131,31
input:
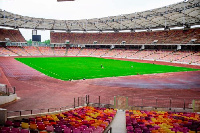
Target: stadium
x,y
130,73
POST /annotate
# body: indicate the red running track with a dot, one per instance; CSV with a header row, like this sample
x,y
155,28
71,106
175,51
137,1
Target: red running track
x,y
37,90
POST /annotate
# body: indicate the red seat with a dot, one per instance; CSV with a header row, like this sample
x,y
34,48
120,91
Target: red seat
x,y
8,123
41,127
7,129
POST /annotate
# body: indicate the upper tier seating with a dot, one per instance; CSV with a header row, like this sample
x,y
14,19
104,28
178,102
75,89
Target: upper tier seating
x,y
13,35
162,37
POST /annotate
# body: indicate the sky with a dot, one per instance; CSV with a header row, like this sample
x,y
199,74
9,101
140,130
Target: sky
x,y
78,9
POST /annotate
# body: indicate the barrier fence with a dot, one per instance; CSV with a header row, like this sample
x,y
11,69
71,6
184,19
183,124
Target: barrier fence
x,y
6,91
123,102
118,102
35,111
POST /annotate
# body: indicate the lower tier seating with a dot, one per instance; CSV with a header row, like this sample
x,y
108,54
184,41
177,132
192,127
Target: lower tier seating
x,y
162,122
80,120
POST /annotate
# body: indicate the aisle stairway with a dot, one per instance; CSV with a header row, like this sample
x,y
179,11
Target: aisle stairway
x,y
119,123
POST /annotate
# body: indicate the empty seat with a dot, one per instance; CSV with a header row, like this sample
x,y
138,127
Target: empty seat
x,y
24,131
7,129
16,124
16,130
24,125
49,128
58,129
41,127
8,123
33,126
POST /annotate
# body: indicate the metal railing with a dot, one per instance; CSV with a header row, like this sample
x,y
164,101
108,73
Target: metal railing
x,y
143,102
6,91
101,101
20,113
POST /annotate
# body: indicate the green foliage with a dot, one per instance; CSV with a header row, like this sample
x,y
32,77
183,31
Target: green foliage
x,y
76,68
47,42
29,41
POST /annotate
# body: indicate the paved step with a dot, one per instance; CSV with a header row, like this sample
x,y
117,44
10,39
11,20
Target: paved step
x,y
119,123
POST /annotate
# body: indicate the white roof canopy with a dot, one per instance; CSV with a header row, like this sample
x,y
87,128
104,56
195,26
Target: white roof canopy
x,y
180,14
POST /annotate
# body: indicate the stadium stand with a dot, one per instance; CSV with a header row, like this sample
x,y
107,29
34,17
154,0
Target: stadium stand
x,y
47,51
59,51
190,57
80,120
163,37
13,35
99,52
73,51
112,53
6,52
86,52
18,50
126,53
161,121
34,51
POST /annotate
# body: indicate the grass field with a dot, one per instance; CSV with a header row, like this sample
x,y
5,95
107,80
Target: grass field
x,y
76,68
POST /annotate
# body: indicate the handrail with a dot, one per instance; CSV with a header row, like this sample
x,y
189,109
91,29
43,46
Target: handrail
x,y
40,110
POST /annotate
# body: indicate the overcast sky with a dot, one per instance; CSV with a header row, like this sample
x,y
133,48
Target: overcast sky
x,y
78,9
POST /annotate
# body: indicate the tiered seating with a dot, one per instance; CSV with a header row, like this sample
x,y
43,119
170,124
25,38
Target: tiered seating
x,y
191,57
13,35
162,122
18,50
59,51
46,51
81,120
176,56
196,58
32,50
73,51
86,52
163,37
82,38
113,52
6,52
126,54
17,36
152,55
141,54
55,37
112,38
99,52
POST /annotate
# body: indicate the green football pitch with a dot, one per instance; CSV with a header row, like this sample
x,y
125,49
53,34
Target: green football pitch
x,y
76,68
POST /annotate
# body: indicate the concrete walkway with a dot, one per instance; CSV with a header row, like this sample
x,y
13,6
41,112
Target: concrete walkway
x,y
119,123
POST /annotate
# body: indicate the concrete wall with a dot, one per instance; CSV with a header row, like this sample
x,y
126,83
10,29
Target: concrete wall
x,y
7,99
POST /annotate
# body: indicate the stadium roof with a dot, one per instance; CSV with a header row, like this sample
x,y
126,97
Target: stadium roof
x,y
185,13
